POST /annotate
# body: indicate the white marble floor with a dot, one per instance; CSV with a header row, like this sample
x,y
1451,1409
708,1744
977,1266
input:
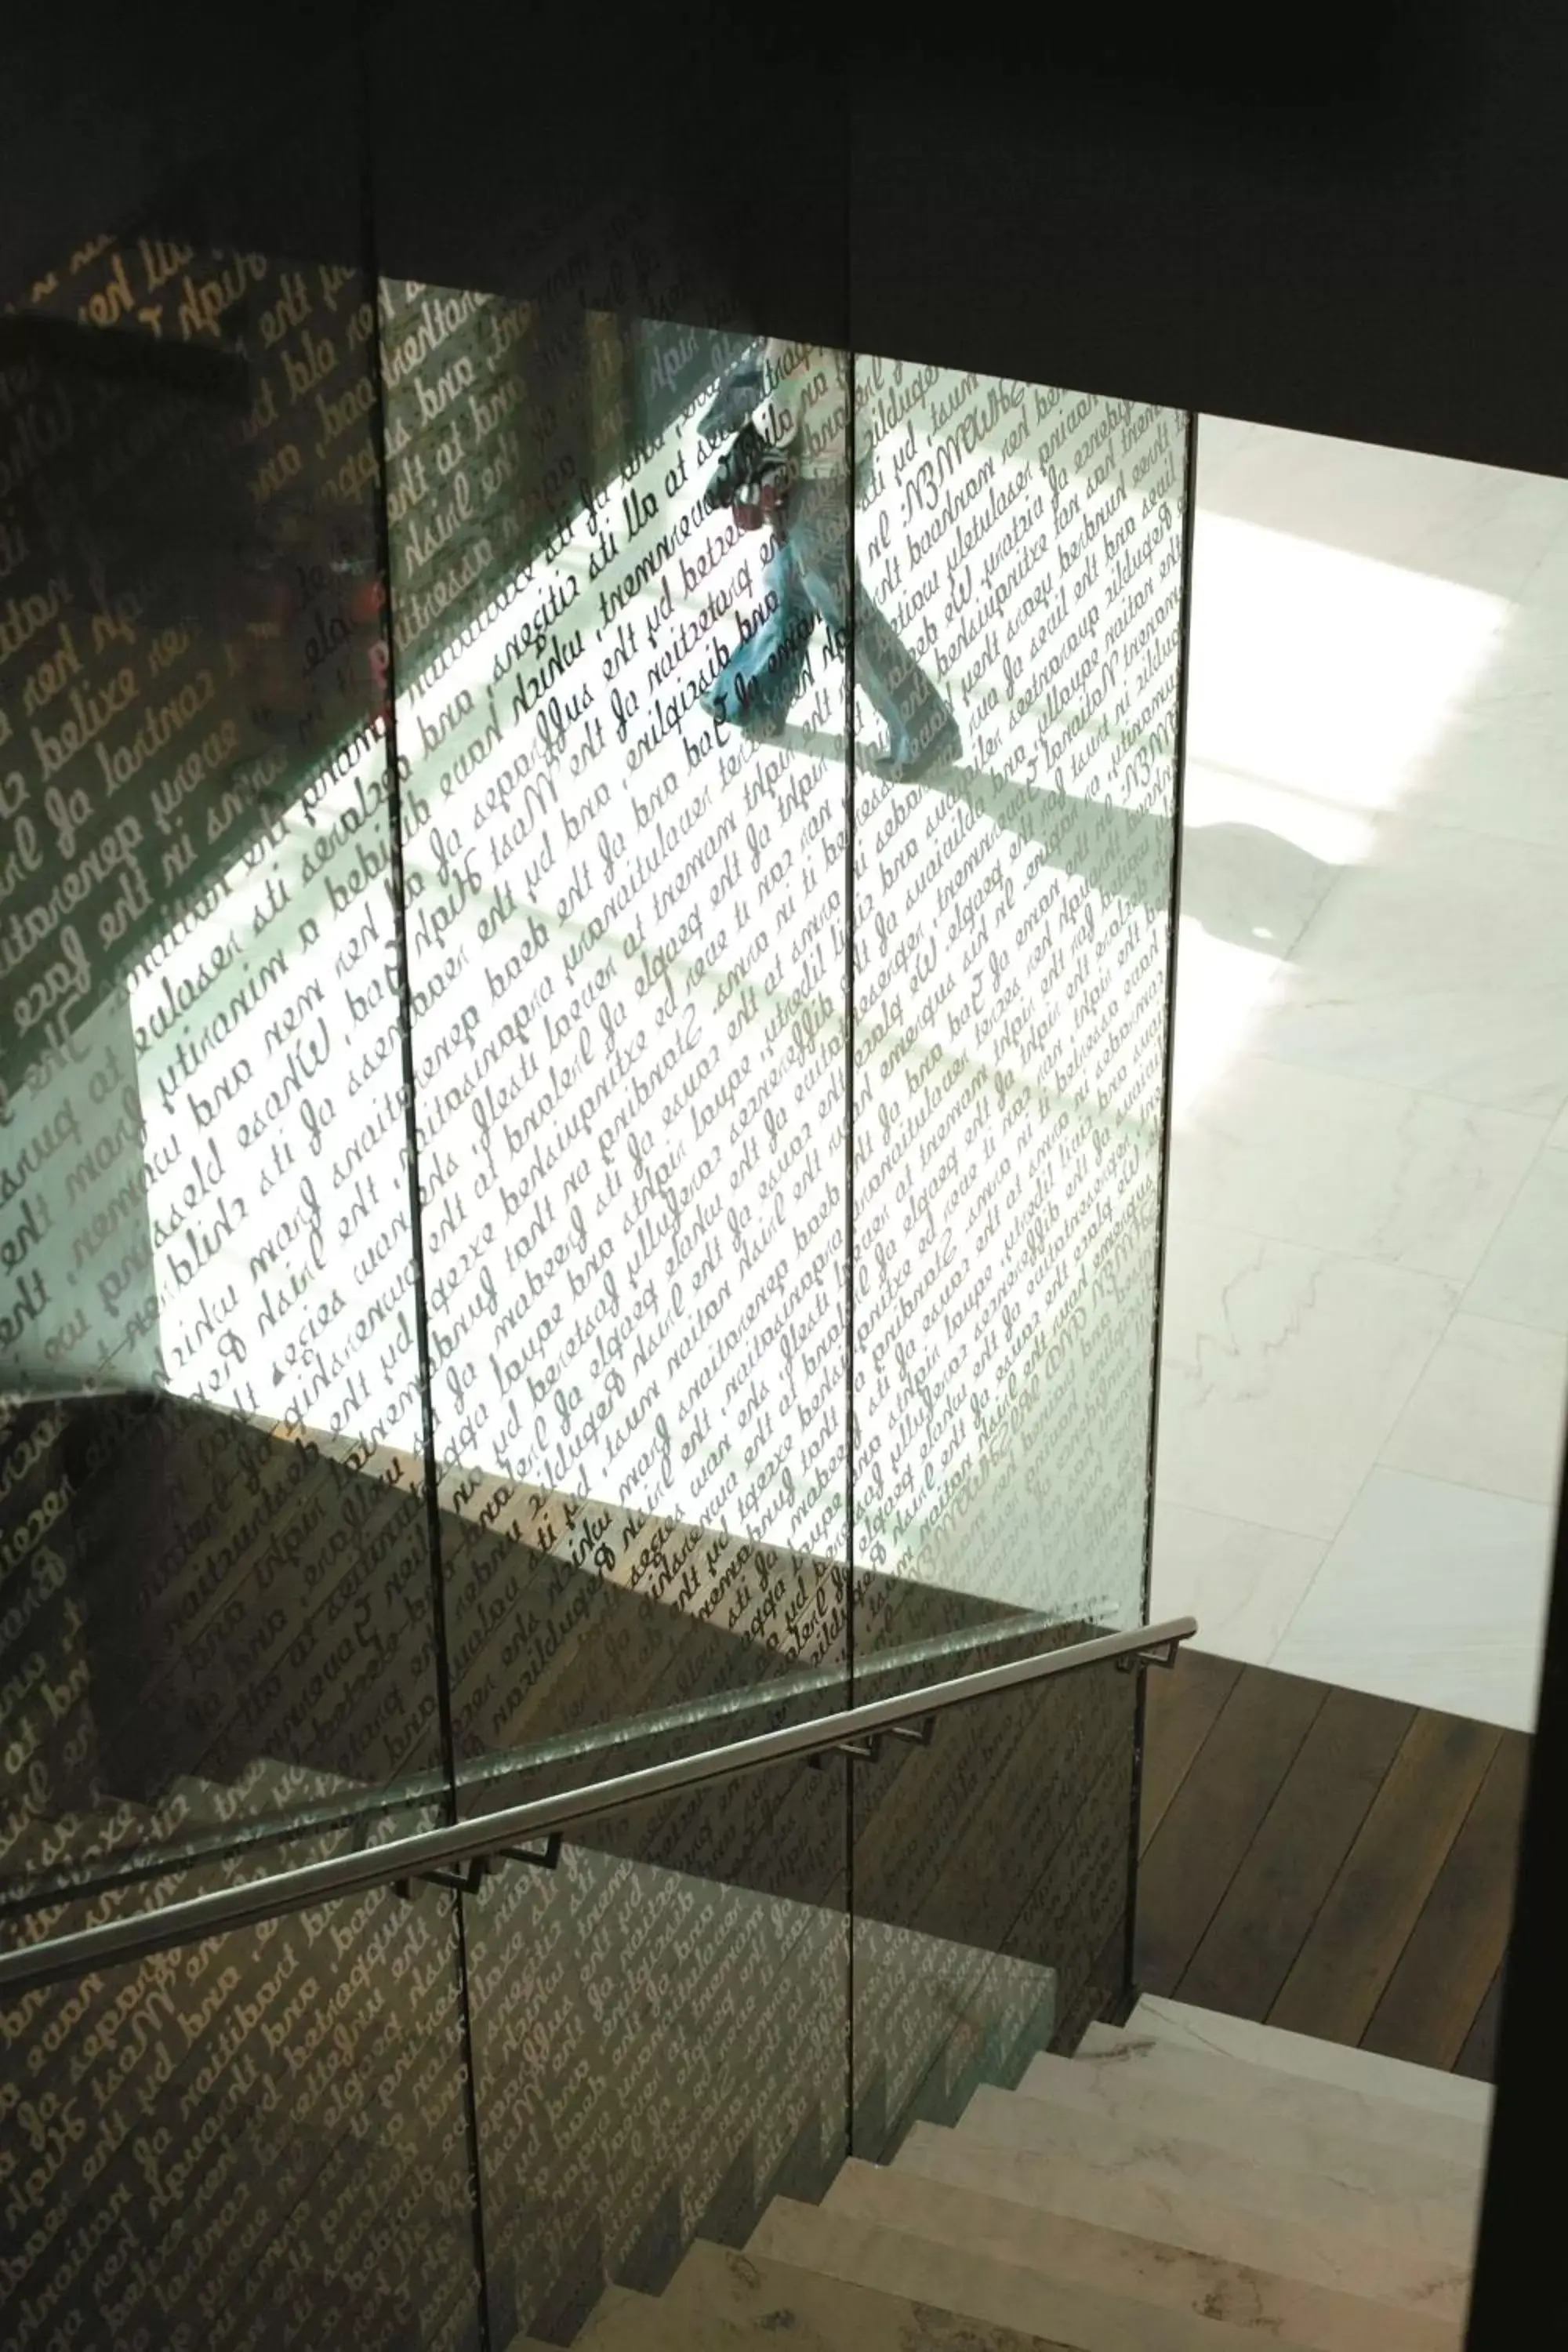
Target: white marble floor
x,y
1365,1346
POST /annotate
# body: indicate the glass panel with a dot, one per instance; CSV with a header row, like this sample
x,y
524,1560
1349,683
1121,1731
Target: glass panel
x,y
660,2039
627,934
259,2140
214,1574
991,1885
1011,954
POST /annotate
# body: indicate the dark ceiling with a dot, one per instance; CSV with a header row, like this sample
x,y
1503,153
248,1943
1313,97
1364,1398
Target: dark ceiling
x,y
1350,219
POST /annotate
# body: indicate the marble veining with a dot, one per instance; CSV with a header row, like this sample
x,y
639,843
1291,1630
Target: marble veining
x,y
722,2298
1128,2145
1112,2084
1488,1411
1274,2304
1433,1583
1046,2307
1178,2024
1148,2048
1182,2214
1282,1371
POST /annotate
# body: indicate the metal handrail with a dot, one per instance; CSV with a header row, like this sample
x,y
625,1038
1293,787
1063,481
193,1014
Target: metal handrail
x,y
402,1860
362,1808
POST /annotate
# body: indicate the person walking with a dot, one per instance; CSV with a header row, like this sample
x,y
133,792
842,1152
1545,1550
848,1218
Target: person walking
x,y
798,468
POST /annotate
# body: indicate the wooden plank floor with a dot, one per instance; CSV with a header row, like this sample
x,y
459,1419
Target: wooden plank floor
x,y
1330,1862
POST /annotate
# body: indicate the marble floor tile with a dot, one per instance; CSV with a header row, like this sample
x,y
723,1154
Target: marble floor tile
x,y
1432,1594
1325,670
1396,506
1523,1277
1500,764
1300,1154
1257,861
1243,1583
1371,1051
1221,990
1488,1411
1282,1371
1223,445
1440,965
1507,537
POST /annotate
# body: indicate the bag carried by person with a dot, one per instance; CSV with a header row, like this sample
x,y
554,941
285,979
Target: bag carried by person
x,y
754,481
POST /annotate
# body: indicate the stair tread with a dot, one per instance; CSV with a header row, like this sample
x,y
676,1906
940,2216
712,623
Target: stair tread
x,y
1368,2114
1265,2303
719,2298
1442,2229
1184,2216
1322,2062
985,2287
1114,2084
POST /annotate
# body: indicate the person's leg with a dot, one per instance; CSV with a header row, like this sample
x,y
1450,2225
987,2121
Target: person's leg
x,y
922,730
762,678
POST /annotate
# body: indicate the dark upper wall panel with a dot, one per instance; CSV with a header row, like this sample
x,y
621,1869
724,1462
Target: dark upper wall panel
x,y
1368,250
105,109
1351,221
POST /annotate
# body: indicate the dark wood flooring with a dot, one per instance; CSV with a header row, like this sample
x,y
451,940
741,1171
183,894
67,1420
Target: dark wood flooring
x,y
1322,1860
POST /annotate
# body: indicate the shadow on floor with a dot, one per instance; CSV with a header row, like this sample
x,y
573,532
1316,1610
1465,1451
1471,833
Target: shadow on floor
x,y
1240,883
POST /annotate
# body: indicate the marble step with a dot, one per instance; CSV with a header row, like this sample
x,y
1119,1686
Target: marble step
x,y
1178,2214
1179,2023
1116,2086
1268,2306
720,2299
1167,2160
980,2285
1368,2114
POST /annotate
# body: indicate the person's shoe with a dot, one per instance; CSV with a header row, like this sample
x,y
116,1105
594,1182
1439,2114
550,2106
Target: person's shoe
x,y
943,747
751,724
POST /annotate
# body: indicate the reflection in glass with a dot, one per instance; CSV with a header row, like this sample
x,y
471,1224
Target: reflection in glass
x,y
215,1581
627,954
1012,913
659,2036
563,927
999,1856
259,2140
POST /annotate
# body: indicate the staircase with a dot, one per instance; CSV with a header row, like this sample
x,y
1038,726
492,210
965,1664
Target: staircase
x,y
1188,2183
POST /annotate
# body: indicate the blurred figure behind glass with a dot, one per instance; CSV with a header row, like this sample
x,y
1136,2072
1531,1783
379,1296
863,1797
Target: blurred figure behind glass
x,y
797,462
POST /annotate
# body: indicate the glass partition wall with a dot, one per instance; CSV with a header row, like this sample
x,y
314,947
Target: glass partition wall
x,y
585,932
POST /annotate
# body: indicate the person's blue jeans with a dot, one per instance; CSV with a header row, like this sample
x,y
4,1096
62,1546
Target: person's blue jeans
x,y
806,573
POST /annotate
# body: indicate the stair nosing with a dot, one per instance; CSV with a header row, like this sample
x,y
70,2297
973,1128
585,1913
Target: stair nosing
x,y
1277,2088
1454,2182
